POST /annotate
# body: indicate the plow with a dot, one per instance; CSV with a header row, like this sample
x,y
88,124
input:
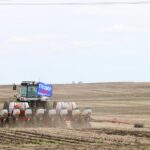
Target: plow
x,y
33,107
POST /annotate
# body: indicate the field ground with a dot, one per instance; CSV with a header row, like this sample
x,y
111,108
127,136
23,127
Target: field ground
x,y
116,107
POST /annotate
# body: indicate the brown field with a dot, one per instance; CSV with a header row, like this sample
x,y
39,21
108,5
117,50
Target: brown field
x,y
116,107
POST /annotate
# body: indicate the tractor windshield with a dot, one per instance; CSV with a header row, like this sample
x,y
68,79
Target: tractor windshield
x,y
28,91
32,91
23,91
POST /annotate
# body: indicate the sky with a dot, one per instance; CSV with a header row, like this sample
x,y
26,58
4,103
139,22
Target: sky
x,y
61,44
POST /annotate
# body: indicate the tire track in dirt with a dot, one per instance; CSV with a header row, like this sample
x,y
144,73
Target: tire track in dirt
x,y
136,133
11,139
14,139
21,136
55,138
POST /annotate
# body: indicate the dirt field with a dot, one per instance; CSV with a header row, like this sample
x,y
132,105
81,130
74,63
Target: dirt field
x,y
116,107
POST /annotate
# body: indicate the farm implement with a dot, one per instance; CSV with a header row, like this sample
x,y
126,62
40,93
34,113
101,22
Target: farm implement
x,y
33,107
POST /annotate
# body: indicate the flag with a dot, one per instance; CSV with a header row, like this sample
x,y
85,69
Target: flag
x,y
45,89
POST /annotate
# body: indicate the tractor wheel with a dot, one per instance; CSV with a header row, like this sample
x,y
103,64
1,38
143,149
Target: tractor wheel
x,y
2,123
12,122
49,105
6,105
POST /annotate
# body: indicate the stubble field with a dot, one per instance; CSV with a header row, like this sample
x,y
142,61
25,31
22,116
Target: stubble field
x,y
116,107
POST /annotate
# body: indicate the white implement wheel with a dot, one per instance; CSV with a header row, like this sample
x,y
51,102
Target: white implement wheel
x,y
16,112
63,112
76,112
87,111
52,112
28,112
4,113
40,112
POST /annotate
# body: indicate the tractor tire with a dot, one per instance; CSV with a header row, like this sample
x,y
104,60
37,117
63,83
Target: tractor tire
x,y
1,123
6,105
49,105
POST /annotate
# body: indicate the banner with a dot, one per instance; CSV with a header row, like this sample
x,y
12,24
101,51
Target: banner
x,y
45,90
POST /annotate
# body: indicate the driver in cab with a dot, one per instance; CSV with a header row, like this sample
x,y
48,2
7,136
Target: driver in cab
x,y
31,93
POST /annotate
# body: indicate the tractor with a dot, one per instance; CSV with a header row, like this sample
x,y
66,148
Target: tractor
x,y
33,107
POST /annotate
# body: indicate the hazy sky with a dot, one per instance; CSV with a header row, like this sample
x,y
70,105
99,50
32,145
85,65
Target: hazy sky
x,y
61,44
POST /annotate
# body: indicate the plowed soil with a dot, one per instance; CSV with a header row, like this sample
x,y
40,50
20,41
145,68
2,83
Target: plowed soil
x,y
60,139
116,107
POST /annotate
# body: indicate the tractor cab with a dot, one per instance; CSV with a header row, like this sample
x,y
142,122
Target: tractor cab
x,y
33,91
28,91
37,94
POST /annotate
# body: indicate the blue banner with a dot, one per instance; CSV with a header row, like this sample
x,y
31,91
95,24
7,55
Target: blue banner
x,y
45,89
